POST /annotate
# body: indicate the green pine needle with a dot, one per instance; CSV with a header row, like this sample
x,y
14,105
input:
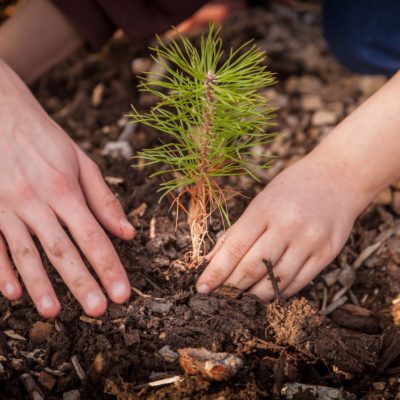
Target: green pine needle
x,y
210,105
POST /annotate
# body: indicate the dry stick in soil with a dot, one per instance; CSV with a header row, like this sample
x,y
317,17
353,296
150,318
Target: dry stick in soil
x,y
211,107
274,281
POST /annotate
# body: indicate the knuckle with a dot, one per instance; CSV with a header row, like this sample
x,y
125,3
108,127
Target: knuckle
x,y
110,201
235,249
60,184
314,233
59,248
293,217
78,282
92,237
22,252
251,272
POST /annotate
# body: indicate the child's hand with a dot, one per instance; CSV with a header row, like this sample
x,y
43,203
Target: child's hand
x,y
47,180
300,221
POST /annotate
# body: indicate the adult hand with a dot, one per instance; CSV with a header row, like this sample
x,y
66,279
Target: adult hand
x,y
300,221
47,181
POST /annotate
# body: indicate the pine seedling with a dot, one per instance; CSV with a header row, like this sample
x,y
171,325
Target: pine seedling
x,y
210,105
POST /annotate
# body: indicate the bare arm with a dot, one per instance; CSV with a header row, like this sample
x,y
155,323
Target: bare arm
x,y
36,38
302,219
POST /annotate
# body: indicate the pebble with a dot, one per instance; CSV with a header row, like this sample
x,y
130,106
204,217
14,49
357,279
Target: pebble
x,y
323,117
40,332
384,197
131,337
46,380
140,65
370,84
97,94
379,385
311,102
72,395
396,202
168,354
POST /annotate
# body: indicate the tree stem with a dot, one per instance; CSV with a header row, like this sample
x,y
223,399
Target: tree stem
x,y
199,212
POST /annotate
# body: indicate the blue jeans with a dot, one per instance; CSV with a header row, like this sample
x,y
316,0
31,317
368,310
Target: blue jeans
x,y
364,35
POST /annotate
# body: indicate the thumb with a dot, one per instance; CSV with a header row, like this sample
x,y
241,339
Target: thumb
x,y
103,203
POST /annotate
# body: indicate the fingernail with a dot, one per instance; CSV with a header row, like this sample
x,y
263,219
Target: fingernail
x,y
203,288
118,289
94,300
9,289
126,225
47,302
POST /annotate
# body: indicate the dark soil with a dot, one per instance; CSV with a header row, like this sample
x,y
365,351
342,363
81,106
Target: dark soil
x,y
341,332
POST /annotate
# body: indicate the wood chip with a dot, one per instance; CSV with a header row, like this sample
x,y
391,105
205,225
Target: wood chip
x,y
13,335
292,390
31,387
215,366
78,368
91,321
114,180
46,380
97,94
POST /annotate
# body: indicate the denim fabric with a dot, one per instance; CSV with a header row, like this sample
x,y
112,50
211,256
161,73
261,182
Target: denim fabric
x,y
364,35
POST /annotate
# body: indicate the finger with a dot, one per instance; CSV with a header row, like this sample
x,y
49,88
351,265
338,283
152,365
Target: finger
x,y
285,270
97,248
66,259
105,206
28,262
239,239
307,273
9,284
269,246
218,245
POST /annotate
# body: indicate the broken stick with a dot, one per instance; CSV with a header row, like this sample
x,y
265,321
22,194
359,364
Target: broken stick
x,y
274,281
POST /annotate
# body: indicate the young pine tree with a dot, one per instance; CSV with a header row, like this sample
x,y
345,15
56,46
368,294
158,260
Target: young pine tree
x,y
210,105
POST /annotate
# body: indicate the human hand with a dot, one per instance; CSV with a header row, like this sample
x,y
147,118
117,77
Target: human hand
x,y
46,181
300,221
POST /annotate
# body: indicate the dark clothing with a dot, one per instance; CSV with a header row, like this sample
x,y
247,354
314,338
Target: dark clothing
x,y
364,34
96,20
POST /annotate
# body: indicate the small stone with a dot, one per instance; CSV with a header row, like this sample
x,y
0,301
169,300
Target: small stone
x,y
72,395
159,306
396,202
384,197
331,277
323,117
40,332
140,65
168,354
131,337
46,380
379,385
97,94
311,102
370,84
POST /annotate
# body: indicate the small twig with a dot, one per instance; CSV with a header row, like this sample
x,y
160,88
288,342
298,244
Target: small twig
x,y
334,305
161,382
78,368
140,293
274,281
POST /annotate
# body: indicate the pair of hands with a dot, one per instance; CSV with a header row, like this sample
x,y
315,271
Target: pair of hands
x,y
300,221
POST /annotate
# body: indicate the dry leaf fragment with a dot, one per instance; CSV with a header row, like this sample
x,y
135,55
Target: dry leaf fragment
x,y
215,366
13,335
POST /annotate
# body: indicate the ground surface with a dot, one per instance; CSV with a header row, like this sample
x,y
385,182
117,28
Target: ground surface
x,y
279,344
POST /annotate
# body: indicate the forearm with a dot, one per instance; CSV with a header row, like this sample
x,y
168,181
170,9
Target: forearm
x,y
37,38
365,147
